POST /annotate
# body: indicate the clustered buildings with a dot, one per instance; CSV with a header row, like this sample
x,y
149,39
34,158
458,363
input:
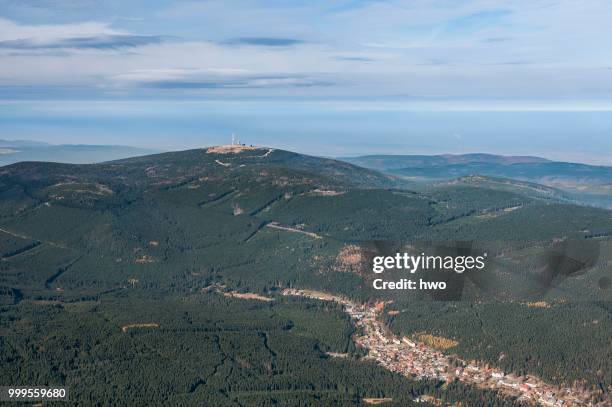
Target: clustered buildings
x,y
419,361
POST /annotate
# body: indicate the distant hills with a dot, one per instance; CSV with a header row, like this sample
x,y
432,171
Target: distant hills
x,y
22,143
12,151
150,240
397,162
589,184
564,181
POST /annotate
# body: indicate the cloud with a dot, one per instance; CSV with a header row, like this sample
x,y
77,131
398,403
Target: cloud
x,y
263,41
10,30
242,83
29,39
214,79
355,59
470,49
101,42
253,82
176,74
39,53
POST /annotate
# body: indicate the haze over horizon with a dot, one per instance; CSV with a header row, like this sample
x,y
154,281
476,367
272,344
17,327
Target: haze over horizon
x,y
331,129
348,77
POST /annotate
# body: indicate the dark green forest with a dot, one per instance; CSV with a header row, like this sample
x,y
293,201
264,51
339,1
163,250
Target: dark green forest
x,y
204,349
88,249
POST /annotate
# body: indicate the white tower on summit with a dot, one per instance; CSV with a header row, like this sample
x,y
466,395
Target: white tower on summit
x,y
233,139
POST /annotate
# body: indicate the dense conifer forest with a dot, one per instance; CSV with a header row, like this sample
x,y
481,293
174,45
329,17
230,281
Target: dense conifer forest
x,y
116,280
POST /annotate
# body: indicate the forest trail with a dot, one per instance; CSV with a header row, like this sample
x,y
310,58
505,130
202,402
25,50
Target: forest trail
x,y
275,225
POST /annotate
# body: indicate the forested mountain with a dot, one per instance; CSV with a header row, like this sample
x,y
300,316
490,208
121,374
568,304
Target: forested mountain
x,y
156,240
581,183
397,162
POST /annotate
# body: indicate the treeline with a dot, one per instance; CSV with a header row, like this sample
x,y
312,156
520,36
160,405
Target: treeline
x,y
563,343
250,353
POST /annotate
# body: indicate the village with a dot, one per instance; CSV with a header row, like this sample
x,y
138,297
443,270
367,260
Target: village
x,y
419,361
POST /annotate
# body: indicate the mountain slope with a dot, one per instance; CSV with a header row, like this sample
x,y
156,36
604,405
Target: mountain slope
x,y
585,184
396,162
135,217
106,223
101,241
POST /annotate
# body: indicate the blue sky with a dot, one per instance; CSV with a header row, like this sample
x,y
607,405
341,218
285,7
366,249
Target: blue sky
x,y
374,56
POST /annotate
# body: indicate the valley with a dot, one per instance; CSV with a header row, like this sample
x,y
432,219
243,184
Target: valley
x,y
417,360
88,250
563,181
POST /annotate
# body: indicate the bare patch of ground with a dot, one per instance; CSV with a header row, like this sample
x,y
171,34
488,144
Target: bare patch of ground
x,y
375,401
337,355
379,306
498,213
83,188
222,163
326,192
126,328
319,295
538,304
144,259
104,189
229,149
429,399
267,153
275,225
248,296
350,259
437,342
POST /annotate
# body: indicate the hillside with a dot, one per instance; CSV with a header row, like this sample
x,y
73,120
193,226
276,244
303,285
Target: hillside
x,y
132,216
397,162
135,217
150,242
581,183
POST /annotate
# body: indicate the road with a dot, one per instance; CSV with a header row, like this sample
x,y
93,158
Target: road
x,y
418,361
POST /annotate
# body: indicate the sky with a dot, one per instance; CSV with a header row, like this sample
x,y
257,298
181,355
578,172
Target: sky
x,y
322,76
